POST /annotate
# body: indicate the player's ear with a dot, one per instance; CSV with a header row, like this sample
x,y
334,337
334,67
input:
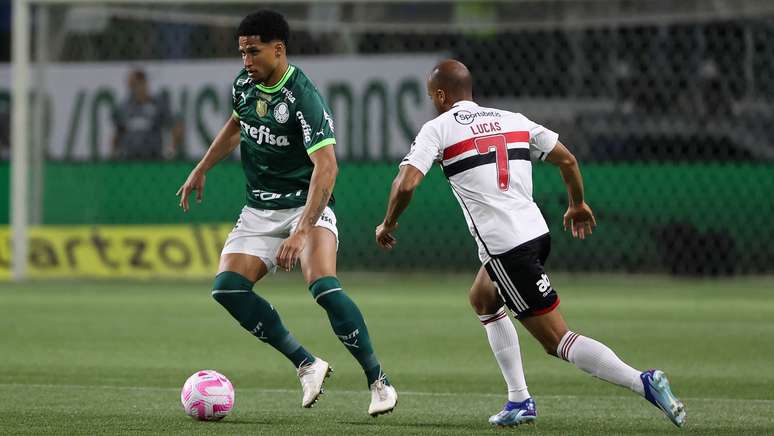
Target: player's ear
x,y
278,49
441,95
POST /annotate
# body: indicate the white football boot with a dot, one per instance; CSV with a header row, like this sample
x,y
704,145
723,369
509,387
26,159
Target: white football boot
x,y
383,397
312,376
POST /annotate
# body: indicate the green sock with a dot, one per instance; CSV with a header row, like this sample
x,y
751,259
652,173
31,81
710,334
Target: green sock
x,y
234,292
347,323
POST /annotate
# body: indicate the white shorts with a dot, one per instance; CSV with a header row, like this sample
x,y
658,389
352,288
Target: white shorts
x,y
259,232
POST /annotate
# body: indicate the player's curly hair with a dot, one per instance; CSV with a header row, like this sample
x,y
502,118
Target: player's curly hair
x,y
266,24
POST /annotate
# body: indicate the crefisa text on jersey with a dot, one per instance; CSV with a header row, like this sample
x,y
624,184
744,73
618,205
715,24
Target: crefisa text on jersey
x,y
288,95
305,127
263,133
478,129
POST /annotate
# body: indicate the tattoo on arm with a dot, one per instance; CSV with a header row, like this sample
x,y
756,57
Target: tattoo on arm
x,y
326,195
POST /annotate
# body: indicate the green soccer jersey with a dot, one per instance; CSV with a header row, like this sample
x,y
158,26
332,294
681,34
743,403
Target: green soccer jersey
x,y
281,126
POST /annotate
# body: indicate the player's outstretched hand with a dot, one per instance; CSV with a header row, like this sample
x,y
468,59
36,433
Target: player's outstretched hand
x,y
290,250
195,182
384,237
580,220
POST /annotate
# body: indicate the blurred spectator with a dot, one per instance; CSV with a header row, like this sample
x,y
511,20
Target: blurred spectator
x,y
141,124
716,96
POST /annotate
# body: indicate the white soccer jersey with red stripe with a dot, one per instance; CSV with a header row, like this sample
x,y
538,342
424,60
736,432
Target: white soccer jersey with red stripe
x,y
487,156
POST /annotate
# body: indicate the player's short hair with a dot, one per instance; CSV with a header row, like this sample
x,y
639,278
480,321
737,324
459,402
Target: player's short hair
x,y
267,25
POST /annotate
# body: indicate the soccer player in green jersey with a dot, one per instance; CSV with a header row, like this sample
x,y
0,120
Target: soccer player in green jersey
x,y
285,133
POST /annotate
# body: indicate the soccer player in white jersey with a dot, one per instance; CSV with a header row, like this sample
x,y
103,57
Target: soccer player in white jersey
x,y
487,156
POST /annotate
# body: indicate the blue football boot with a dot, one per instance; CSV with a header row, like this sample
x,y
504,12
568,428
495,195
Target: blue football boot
x,y
515,413
657,391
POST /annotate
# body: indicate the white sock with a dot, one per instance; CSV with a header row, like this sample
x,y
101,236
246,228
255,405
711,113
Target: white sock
x,y
598,360
505,346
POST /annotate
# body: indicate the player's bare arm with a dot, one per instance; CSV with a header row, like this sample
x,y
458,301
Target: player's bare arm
x,y
579,217
223,144
402,191
320,189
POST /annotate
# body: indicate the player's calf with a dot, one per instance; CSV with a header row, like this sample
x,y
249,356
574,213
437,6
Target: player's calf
x,y
597,359
548,328
350,327
585,353
347,323
234,292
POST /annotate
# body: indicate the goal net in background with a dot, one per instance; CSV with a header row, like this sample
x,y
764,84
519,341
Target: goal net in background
x,y
667,105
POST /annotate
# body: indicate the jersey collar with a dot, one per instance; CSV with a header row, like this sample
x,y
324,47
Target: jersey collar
x,y
280,84
463,103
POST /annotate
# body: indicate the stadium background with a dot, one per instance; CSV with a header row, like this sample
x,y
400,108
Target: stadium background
x,y
668,106
668,109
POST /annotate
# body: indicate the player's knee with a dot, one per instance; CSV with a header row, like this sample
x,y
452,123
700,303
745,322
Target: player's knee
x,y
483,304
228,286
476,304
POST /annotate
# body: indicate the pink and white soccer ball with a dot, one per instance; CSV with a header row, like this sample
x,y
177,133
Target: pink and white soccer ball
x,y
207,395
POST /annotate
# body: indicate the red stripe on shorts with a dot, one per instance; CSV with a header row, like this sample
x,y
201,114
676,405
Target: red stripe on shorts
x,y
548,309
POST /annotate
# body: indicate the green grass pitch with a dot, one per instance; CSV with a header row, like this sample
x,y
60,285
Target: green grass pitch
x,y
110,358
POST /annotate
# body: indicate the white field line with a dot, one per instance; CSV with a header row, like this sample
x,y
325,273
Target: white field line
x,y
363,392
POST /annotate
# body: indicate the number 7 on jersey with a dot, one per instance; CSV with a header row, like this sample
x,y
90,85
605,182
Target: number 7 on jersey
x,y
497,144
